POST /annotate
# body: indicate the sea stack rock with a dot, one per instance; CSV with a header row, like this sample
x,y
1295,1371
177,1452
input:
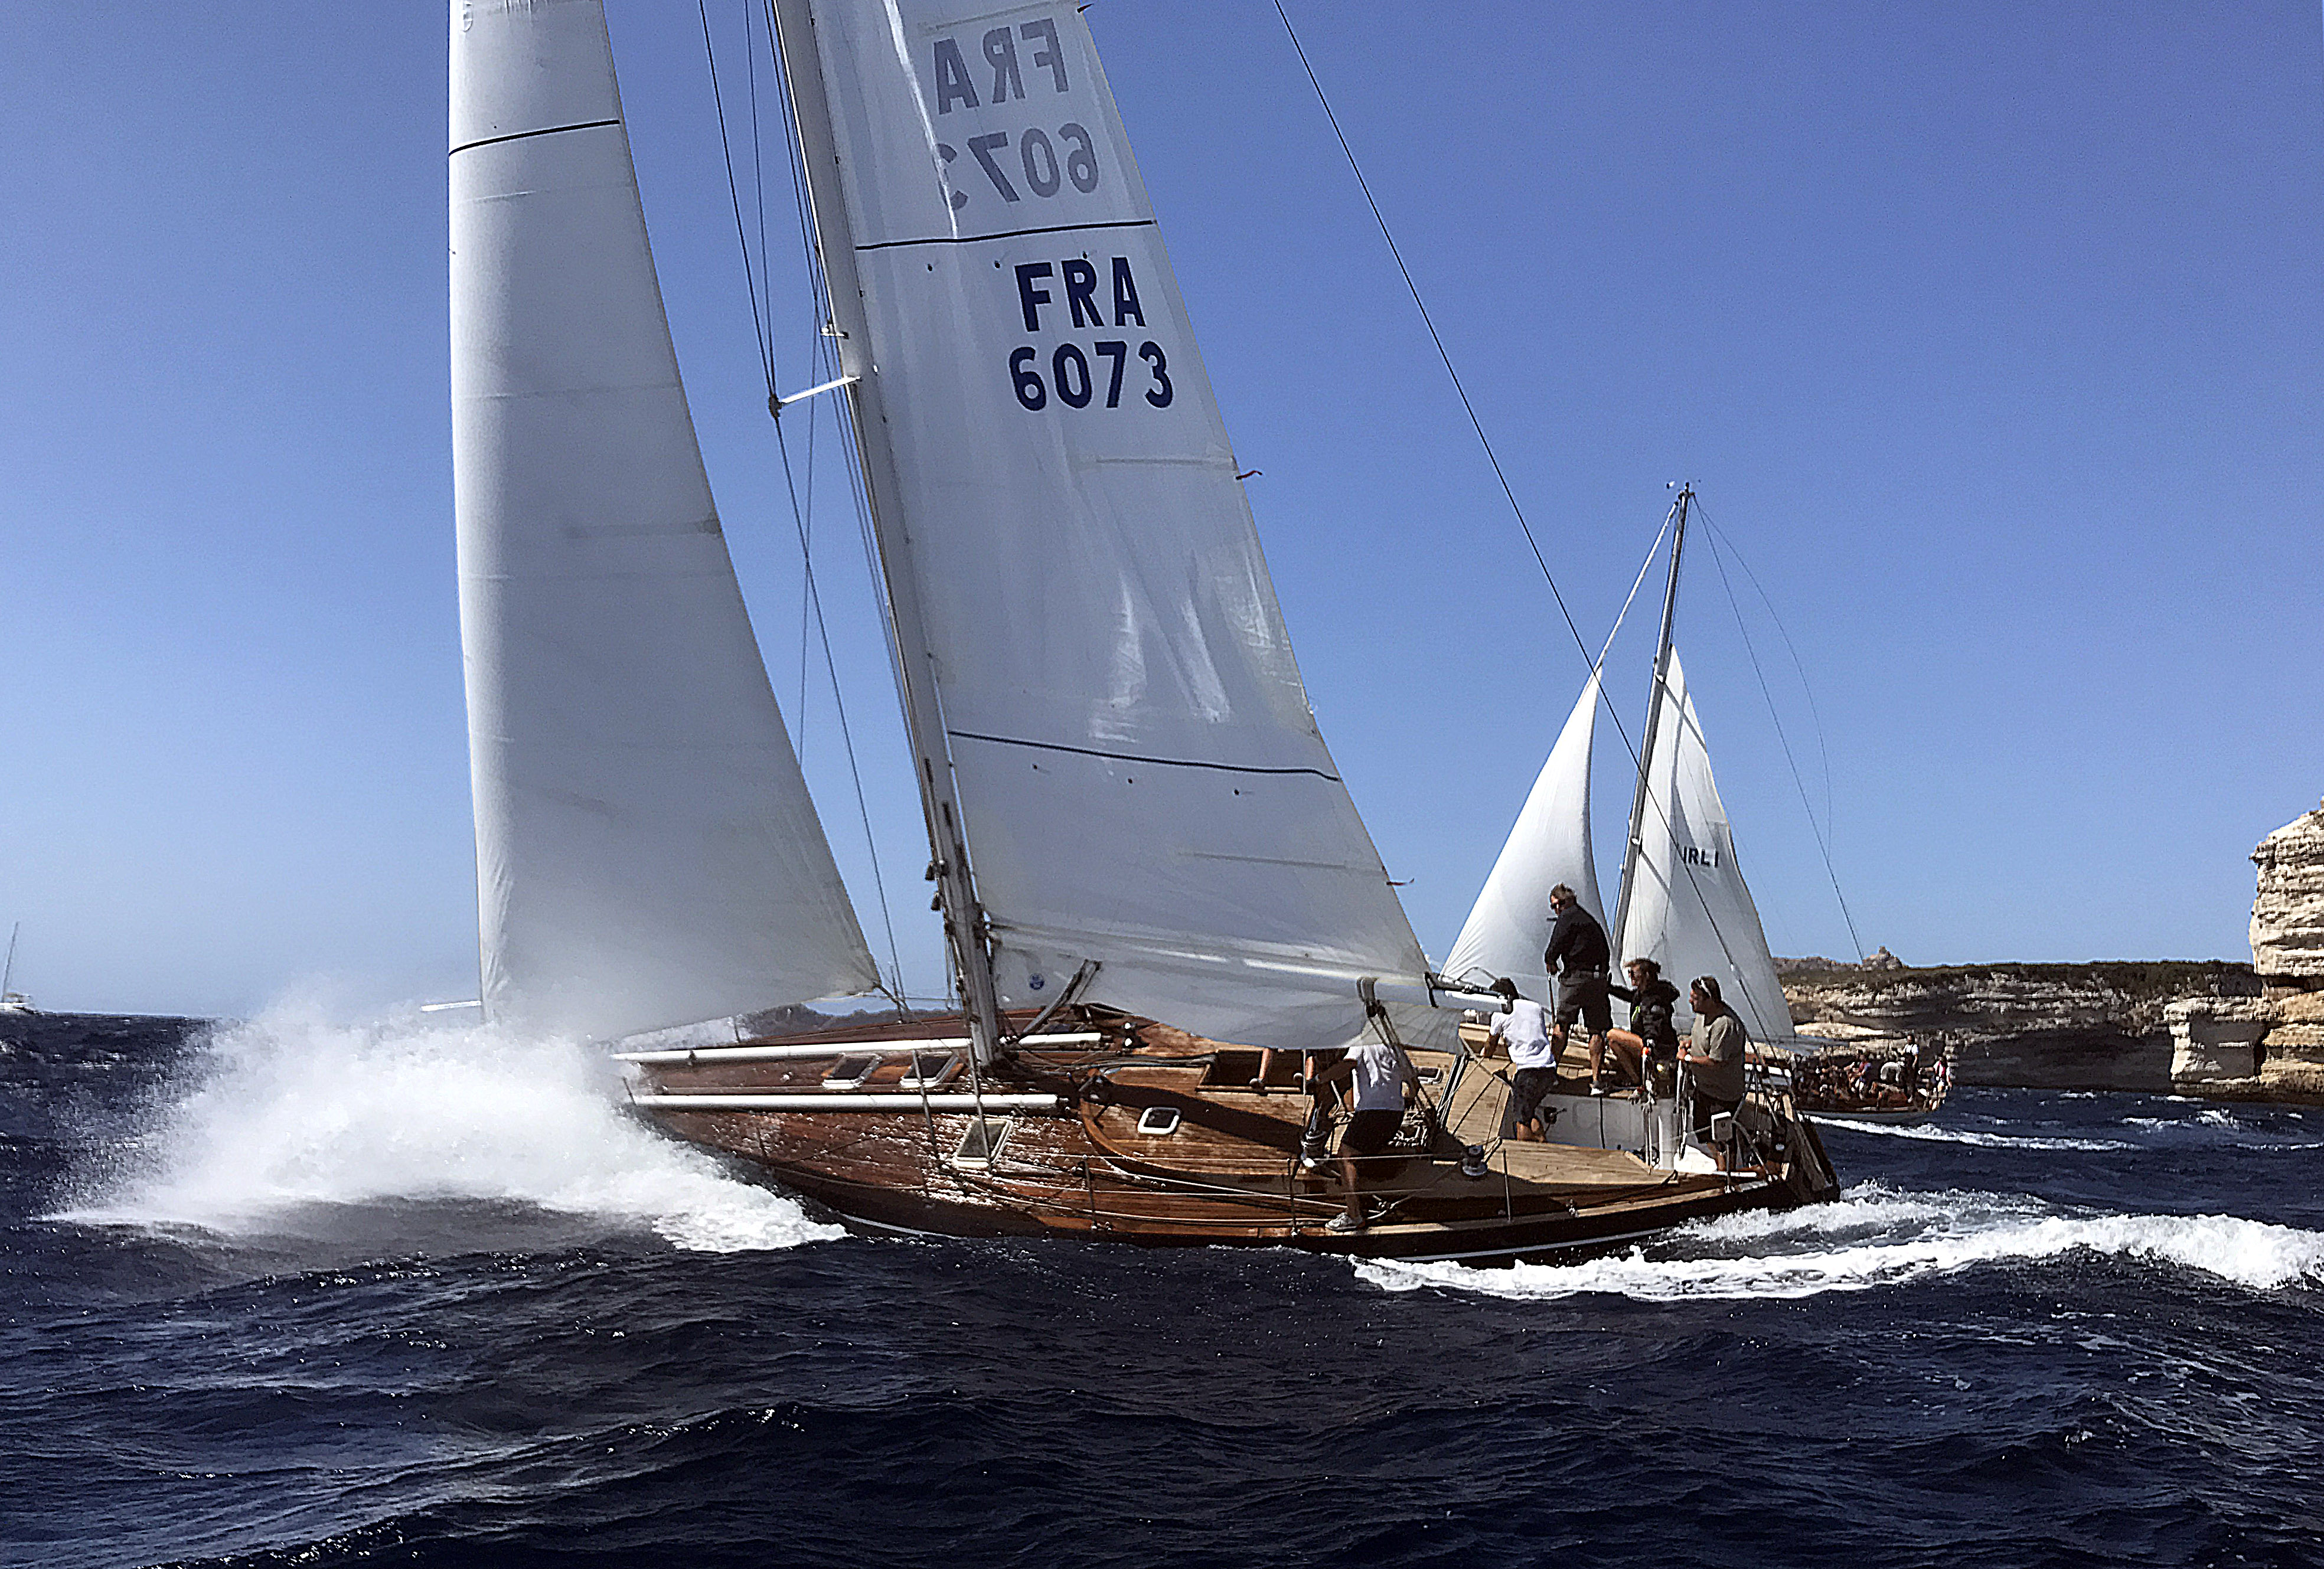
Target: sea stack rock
x,y
2287,938
2272,1045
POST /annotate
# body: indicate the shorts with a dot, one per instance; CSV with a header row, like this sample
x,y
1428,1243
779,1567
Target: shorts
x,y
1529,1089
1705,1108
1368,1132
1583,998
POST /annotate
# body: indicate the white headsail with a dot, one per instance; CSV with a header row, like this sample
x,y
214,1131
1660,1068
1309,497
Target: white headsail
x,y
1143,781
1509,927
1689,908
646,851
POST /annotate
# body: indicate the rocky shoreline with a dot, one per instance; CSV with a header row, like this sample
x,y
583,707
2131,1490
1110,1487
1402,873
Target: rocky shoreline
x,y
2032,1026
2234,1031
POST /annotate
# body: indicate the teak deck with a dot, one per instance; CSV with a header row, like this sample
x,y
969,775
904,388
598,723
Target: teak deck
x,y
1230,1173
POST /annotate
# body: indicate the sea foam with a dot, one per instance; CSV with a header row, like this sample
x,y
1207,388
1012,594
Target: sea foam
x,y
1934,1135
1874,1236
293,1109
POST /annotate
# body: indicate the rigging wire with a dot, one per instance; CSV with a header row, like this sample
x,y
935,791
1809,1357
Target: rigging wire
x,y
1823,847
1442,354
762,327
1493,459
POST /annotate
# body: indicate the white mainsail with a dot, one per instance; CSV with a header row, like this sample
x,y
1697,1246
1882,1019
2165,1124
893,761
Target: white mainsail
x,y
646,851
1508,926
1689,908
1143,782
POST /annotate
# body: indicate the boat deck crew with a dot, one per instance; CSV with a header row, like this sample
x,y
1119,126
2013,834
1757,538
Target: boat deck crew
x,y
1578,955
1651,1037
1522,1028
1713,1057
1380,1073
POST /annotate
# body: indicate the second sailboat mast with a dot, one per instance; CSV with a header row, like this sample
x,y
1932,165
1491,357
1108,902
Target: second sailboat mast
x,y
1654,721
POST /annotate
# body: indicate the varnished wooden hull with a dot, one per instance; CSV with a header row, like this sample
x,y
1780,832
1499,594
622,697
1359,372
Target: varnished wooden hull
x,y
1228,1174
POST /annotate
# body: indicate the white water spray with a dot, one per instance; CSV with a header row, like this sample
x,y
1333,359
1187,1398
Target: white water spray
x,y
292,1109
1934,1134
1876,1237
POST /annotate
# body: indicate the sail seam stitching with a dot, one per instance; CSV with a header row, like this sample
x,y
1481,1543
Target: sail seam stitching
x,y
544,131
1007,234
1130,757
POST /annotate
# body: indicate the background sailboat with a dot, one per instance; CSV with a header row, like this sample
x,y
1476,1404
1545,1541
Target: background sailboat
x,y
1684,901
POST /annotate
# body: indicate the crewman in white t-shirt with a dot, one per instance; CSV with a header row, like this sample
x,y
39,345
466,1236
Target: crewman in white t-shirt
x,y
1523,1027
1380,1072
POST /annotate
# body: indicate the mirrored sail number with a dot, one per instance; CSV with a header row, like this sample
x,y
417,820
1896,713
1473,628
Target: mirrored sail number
x,y
991,69
1045,172
1076,383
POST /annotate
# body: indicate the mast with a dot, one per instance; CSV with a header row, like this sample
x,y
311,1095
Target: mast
x,y
1654,720
964,922
8,972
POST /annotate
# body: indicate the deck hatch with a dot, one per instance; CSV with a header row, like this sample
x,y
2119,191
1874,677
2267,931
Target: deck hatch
x,y
852,1070
929,1070
981,1145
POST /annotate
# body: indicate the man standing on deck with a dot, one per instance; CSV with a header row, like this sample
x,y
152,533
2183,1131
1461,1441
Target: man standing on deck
x,y
1380,1072
1713,1056
1522,1028
1578,957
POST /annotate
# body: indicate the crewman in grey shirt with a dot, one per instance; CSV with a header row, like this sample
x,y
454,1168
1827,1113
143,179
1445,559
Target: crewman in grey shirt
x,y
1713,1056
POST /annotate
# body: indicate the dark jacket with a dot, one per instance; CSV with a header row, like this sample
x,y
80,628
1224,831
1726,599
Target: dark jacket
x,y
1577,944
1651,1005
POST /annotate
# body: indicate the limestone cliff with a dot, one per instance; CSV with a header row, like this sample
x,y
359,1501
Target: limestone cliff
x,y
2287,939
2048,1026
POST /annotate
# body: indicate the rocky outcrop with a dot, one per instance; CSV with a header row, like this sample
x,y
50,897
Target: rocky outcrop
x,y
2287,924
2049,1026
2287,939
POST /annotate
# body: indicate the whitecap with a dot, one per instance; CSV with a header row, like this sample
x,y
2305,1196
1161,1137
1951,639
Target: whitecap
x,y
1969,1136
292,1110
1872,1237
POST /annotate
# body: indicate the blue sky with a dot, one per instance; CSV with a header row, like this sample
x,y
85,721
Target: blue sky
x,y
1990,334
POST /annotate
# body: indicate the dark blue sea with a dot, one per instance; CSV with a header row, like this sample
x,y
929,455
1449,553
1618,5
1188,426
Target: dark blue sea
x,y
305,1292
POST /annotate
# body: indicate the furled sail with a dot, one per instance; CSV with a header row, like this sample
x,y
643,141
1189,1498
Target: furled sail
x,y
1509,927
646,851
1689,908
1143,781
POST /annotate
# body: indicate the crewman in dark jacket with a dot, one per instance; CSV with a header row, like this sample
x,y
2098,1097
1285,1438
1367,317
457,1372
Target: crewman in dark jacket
x,y
1578,957
1653,1036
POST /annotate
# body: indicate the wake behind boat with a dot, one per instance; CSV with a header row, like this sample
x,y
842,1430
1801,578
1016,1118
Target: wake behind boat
x,y
1163,912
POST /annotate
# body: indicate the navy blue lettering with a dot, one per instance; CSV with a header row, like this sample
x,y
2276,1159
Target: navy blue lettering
x,y
1081,293
1161,392
1126,308
1030,298
1117,351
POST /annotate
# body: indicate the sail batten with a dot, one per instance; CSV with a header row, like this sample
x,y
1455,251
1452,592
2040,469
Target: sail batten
x,y
646,853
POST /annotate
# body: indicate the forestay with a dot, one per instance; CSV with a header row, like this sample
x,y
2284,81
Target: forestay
x,y
1509,927
646,851
1143,781
1689,908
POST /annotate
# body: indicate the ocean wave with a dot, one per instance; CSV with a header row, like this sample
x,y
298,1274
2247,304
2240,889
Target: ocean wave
x,y
291,1111
1968,1137
1874,1237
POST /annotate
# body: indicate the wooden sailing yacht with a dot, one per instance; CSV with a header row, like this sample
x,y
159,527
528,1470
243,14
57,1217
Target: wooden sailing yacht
x,y
1157,894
